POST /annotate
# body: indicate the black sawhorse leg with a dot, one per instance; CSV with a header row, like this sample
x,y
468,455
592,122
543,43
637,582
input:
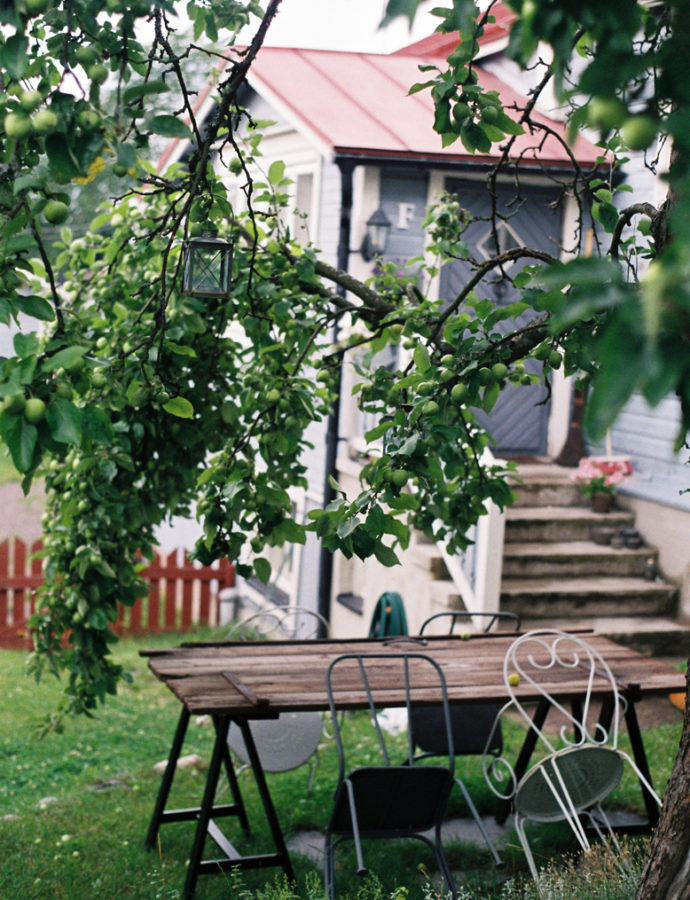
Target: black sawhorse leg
x,y
208,810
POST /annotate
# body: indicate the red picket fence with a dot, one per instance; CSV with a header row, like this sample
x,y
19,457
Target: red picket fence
x,y
181,594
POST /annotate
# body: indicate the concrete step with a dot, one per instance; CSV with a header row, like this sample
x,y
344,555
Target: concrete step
x,y
651,635
559,523
428,557
567,559
543,492
573,598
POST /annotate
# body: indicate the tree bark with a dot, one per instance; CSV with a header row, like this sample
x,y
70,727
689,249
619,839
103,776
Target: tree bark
x,y
666,874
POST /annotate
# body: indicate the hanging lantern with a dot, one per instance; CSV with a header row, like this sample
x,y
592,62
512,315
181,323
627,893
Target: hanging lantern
x,y
207,267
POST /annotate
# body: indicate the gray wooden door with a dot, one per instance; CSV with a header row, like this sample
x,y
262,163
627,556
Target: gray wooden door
x,y
518,423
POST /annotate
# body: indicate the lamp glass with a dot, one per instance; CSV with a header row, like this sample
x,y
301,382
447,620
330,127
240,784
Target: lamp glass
x,y
378,228
207,267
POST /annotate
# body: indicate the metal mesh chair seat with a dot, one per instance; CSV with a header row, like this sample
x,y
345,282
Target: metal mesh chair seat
x,y
283,743
581,775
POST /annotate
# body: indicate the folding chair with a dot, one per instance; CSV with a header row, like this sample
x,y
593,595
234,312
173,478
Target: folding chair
x,y
568,783
383,799
471,725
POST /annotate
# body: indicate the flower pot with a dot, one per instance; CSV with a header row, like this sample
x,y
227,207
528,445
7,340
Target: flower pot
x,y
601,502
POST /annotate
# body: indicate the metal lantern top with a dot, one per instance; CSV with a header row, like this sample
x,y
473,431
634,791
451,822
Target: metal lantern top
x,y
207,267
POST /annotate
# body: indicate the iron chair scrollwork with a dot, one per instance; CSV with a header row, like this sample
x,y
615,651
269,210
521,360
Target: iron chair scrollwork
x,y
471,725
291,739
572,779
383,799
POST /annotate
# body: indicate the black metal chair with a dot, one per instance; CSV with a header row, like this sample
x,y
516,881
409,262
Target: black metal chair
x,y
384,799
471,725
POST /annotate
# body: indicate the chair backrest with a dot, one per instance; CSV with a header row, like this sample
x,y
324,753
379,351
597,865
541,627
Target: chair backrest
x,y
449,619
283,622
377,679
544,656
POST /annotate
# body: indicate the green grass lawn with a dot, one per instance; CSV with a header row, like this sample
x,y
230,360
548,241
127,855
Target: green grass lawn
x,y
88,842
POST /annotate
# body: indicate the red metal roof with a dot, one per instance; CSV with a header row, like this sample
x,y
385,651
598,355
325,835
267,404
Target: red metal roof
x,y
358,103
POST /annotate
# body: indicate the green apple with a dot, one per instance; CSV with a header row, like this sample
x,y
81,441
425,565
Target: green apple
x,y
486,376
500,370
85,55
56,212
29,100
638,132
399,477
273,396
100,379
606,112
97,73
34,410
15,403
89,119
119,170
555,359
430,408
45,121
459,393
17,125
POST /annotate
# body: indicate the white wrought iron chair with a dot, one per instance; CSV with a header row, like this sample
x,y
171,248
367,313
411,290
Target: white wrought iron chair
x,y
291,739
383,799
571,780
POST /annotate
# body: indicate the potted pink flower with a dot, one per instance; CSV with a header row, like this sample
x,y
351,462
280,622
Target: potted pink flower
x,y
598,477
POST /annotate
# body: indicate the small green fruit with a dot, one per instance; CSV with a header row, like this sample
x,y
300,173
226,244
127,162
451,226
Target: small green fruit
x,y
430,408
555,359
85,55
459,393
447,359
75,366
64,390
604,113
273,396
513,679
17,125
45,121
490,115
486,376
639,132
119,170
97,73
56,212
465,636
15,403
446,375
34,410
102,343
99,378
500,370
399,477
35,7
29,100
425,388
89,120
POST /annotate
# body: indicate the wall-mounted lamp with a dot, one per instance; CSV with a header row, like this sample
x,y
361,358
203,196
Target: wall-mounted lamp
x,y
376,237
207,267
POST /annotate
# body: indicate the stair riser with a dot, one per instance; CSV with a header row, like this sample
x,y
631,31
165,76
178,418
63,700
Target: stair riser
x,y
555,606
539,567
654,643
553,530
548,495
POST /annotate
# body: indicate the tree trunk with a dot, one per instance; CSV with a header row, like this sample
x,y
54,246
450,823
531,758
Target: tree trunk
x,y
666,874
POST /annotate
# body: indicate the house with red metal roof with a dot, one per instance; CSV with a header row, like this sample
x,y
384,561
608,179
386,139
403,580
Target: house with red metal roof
x,y
355,143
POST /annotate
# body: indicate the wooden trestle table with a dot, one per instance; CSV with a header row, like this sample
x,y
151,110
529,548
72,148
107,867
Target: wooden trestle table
x,y
245,680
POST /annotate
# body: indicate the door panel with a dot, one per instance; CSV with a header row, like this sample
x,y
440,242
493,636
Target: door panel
x,y
519,421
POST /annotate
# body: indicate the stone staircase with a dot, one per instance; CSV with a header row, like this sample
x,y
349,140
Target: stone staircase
x,y
556,575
